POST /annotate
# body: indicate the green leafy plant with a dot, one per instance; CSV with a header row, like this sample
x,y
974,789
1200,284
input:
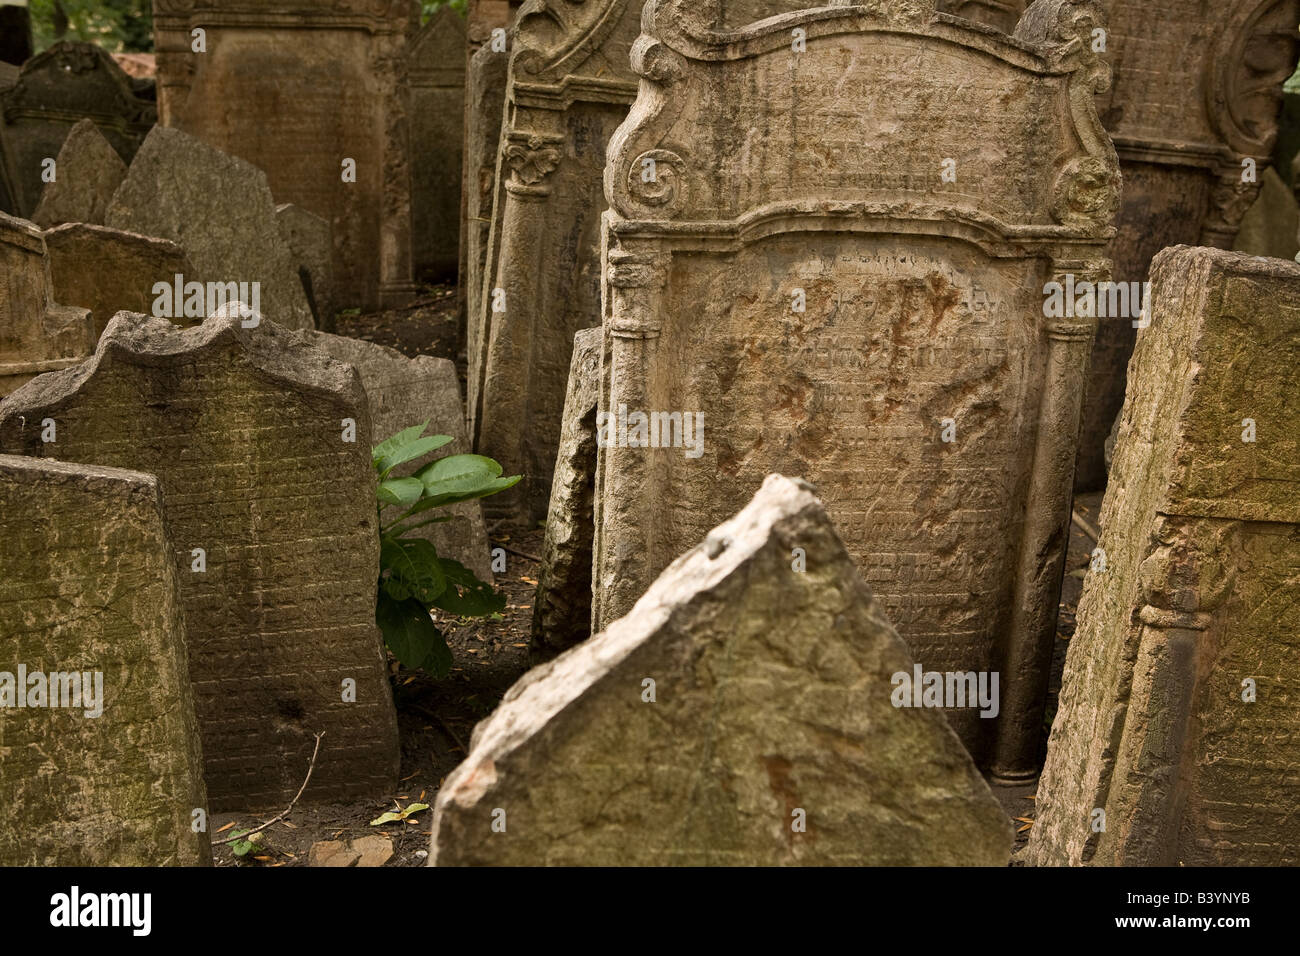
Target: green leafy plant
x,y
412,577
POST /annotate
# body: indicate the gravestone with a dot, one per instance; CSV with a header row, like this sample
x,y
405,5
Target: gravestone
x,y
36,335
89,172
56,89
334,77
403,392
1177,713
854,293
1197,93
272,515
1271,225
744,714
219,209
308,237
562,609
437,83
109,271
570,85
1002,14
89,605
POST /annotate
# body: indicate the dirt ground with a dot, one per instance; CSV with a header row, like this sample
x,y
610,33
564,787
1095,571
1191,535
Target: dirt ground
x,y
436,717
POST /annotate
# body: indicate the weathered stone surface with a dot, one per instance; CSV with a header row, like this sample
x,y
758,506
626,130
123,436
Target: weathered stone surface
x,y
437,84
219,209
56,89
88,586
333,76
1198,601
921,388
36,335
1197,92
109,271
245,430
88,173
772,695
308,237
570,86
1270,227
562,609
1003,14
404,392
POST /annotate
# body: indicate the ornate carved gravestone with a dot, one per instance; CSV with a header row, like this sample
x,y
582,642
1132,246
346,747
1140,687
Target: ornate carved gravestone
x,y
745,713
103,768
1175,740
35,334
437,82
569,87
1197,93
334,77
794,282
272,514
67,83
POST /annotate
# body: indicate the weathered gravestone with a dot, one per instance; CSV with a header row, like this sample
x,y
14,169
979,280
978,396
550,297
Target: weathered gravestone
x,y
1271,225
1177,716
1002,14
570,85
333,75
403,392
102,764
109,271
562,608
219,209
88,173
852,291
308,237
36,335
56,89
745,713
437,84
1193,111
270,504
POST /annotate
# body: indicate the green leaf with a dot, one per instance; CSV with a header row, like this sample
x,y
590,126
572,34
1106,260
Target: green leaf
x,y
408,452
399,491
465,595
397,529
243,847
411,635
462,478
413,568
404,437
389,817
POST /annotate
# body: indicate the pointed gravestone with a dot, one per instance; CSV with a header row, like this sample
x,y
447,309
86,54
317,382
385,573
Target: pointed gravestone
x,y
88,173
219,209
1175,739
259,445
743,714
437,88
854,293
102,763
309,240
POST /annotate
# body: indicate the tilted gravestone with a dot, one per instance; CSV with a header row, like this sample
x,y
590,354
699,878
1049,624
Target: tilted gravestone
x,y
745,713
219,209
88,173
570,85
109,271
36,335
67,83
562,608
1175,740
1193,111
827,257
309,240
437,83
102,763
333,75
404,392
259,445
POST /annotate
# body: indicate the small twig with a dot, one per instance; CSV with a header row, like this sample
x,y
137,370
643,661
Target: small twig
x,y
1086,528
522,554
310,767
445,727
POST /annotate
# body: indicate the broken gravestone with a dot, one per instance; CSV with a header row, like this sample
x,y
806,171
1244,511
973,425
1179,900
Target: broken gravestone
x,y
259,445
1174,742
109,271
854,294
562,608
102,764
36,335
88,173
403,392
747,712
308,237
219,209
